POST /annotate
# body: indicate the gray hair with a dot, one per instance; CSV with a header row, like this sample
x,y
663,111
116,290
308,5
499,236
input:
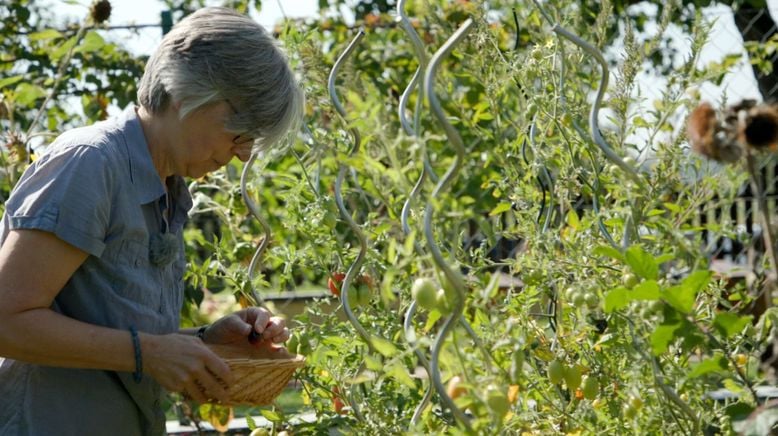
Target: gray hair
x,y
215,55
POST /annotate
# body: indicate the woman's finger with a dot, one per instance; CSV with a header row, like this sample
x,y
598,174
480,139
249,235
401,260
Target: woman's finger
x,y
274,327
281,337
261,318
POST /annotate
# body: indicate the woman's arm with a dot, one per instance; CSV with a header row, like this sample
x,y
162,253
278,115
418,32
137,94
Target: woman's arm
x,y
34,267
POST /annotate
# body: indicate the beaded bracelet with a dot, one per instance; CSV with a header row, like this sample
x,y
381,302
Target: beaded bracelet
x,y
138,374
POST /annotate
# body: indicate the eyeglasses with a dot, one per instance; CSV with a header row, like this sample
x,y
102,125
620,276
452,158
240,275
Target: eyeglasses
x,y
243,138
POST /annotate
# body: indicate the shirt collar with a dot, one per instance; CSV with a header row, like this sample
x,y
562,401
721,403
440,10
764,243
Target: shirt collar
x,y
142,171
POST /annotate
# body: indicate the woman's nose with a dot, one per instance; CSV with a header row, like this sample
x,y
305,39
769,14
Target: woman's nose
x,y
242,152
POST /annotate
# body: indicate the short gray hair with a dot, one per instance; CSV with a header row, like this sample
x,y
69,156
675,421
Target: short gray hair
x,y
215,55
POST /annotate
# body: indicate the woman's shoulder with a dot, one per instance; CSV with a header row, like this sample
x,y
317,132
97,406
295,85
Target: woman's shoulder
x,y
103,138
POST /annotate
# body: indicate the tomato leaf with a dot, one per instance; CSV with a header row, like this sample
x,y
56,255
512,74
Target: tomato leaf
x,y
717,363
642,263
682,296
662,336
386,348
608,251
729,324
271,415
616,299
500,208
646,291
398,372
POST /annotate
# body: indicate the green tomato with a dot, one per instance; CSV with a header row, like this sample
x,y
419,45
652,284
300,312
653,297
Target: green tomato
x,y
259,431
591,300
629,280
556,371
442,302
570,294
497,400
572,376
579,300
636,402
591,387
629,411
424,291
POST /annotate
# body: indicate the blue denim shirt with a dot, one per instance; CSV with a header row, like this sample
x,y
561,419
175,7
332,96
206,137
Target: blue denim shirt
x,y
96,188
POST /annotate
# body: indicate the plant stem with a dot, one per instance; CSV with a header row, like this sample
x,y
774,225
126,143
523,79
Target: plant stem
x,y
767,233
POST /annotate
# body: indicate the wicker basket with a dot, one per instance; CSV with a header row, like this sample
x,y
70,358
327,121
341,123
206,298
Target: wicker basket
x,y
258,380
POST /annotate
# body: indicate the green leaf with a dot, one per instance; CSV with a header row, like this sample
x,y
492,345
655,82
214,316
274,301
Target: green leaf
x,y
8,81
271,415
682,296
373,364
26,94
616,299
642,263
662,336
386,348
646,291
729,324
500,208
608,251
398,372
717,363
45,34
62,50
250,422
572,219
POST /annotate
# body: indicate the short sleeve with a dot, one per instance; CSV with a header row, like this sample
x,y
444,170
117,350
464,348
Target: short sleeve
x,y
68,193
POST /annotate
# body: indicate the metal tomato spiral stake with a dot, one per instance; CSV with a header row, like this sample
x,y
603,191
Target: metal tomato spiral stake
x,y
454,278
357,264
252,206
353,270
427,171
410,337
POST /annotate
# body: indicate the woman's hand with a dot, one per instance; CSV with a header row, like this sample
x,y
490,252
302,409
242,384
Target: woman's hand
x,y
183,363
252,327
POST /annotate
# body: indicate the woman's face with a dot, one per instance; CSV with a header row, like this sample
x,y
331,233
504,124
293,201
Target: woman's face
x,y
205,144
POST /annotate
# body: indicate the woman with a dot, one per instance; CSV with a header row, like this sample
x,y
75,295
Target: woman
x,y
91,261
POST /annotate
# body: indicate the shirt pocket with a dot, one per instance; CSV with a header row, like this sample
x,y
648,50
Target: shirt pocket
x,y
136,279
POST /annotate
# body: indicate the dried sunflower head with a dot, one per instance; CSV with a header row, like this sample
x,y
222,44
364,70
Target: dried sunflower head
x,y
100,11
760,127
711,137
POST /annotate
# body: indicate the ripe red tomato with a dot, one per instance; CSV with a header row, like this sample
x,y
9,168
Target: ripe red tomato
x,y
334,283
337,403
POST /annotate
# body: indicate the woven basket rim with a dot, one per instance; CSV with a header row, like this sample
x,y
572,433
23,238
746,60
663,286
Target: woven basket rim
x,y
297,361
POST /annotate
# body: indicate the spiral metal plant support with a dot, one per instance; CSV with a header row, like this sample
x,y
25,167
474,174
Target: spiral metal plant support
x,y
454,278
421,55
355,267
252,206
427,171
353,270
